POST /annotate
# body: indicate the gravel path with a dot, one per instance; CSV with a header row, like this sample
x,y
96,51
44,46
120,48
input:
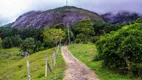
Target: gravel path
x,y
76,70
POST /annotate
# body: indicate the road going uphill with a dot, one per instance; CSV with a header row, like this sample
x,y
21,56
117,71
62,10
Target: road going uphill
x,y
76,70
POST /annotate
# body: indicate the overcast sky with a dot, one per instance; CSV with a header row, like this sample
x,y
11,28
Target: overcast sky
x,y
12,9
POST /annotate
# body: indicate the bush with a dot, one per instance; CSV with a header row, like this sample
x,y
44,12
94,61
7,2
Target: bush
x,y
122,50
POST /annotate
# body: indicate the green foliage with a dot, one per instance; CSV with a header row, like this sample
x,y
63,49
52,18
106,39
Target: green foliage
x,y
16,40
121,50
139,20
7,42
13,66
94,39
35,33
38,46
71,35
53,35
0,42
84,30
85,53
59,26
8,32
102,28
77,41
28,45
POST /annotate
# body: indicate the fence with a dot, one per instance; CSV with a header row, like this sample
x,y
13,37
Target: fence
x,y
48,65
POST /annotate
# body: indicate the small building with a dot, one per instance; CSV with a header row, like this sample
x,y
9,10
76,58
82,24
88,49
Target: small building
x,y
23,53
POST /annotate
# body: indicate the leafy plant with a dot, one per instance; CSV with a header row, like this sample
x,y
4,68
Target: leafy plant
x,y
122,50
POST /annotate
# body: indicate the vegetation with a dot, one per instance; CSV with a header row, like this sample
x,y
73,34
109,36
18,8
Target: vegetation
x,y
85,53
139,20
102,28
28,45
53,35
118,47
84,30
7,42
0,42
121,50
13,66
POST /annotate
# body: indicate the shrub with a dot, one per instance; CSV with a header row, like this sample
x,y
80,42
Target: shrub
x,y
122,50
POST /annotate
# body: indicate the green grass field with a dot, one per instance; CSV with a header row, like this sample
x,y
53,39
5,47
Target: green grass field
x,y
13,66
85,53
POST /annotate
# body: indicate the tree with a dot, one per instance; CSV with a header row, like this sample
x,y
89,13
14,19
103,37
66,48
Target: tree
x,y
84,27
71,35
139,20
0,42
28,45
16,40
7,42
38,46
53,35
59,26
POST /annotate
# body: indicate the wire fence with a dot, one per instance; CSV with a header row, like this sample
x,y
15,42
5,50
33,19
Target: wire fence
x,y
48,64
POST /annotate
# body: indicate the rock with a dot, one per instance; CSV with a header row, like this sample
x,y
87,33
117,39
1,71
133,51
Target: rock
x,y
66,15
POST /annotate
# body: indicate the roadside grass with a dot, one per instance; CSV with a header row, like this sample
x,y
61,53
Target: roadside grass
x,y
14,67
86,53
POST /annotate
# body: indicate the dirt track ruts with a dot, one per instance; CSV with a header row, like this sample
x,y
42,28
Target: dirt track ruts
x,y
76,70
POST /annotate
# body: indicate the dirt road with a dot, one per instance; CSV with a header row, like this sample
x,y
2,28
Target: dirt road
x,y
76,70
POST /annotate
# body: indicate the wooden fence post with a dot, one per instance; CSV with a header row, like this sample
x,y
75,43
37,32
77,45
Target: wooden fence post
x,y
51,62
46,65
28,69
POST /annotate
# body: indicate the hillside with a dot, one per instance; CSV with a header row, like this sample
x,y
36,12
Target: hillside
x,y
67,15
13,66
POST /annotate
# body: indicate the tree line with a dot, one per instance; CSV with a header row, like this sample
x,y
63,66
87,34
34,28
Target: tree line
x,y
40,39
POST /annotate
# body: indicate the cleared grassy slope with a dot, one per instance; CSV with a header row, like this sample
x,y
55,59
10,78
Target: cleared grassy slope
x,y
85,53
14,67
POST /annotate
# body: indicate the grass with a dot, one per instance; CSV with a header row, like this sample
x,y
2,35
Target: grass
x,y
13,66
86,52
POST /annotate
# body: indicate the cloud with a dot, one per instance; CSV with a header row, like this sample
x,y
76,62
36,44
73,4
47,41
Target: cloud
x,y
11,9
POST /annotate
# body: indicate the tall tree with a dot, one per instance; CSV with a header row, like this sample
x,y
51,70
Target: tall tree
x,y
85,28
28,45
7,42
53,35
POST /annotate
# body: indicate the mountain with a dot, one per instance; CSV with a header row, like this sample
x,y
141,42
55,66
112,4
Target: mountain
x,y
68,15
123,17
